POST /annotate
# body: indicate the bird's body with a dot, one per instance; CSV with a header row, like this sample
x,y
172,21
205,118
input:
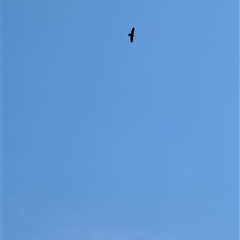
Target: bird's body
x,y
131,34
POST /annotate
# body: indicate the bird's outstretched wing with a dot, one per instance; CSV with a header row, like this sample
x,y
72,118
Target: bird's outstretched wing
x,y
132,32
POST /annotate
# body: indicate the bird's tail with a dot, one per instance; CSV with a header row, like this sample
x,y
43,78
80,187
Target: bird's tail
x,y
129,34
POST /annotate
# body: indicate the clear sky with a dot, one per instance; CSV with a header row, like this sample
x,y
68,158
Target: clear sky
x,y
106,139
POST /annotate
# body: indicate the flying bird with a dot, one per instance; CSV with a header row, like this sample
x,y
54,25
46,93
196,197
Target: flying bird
x,y
131,34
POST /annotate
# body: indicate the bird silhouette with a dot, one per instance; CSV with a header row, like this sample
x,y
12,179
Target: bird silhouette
x,y
131,34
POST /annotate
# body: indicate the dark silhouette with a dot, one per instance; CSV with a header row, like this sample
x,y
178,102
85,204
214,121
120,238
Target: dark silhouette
x,y
131,34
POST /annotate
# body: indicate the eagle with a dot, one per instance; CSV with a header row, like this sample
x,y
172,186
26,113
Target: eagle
x,y
131,34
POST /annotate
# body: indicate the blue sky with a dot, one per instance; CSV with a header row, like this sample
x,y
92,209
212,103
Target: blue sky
x,y
104,139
